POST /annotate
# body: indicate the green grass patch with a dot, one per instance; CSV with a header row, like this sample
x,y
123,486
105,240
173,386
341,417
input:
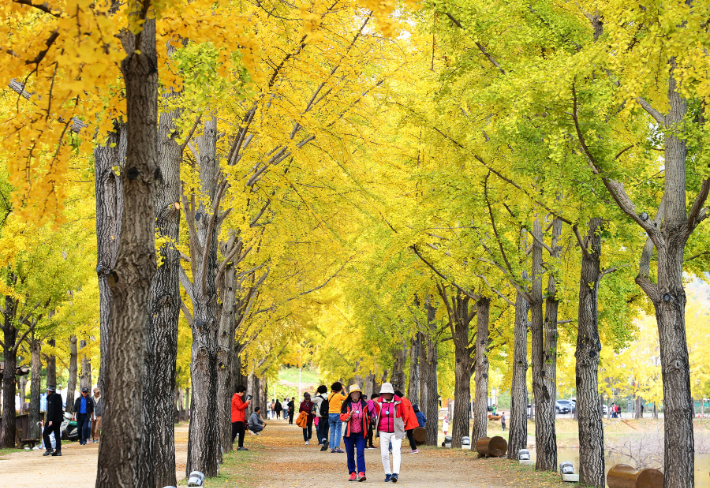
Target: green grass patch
x,y
238,469
6,451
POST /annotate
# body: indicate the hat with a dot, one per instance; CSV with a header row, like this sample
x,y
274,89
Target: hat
x,y
51,388
386,388
354,388
415,407
306,395
85,390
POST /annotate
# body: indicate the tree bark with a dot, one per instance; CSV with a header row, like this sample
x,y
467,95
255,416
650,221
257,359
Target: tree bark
x,y
544,403
518,434
8,377
480,414
73,371
413,389
432,389
203,444
398,377
637,413
225,359
51,366
35,385
122,459
85,378
591,428
109,212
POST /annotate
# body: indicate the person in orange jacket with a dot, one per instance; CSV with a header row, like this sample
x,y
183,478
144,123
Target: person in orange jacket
x,y
410,421
238,407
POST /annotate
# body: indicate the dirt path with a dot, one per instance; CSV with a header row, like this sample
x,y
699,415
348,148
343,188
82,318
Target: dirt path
x,y
76,467
287,462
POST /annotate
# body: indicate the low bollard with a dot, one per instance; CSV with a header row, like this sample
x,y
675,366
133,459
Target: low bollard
x,y
491,446
567,472
524,458
625,476
447,441
196,479
466,441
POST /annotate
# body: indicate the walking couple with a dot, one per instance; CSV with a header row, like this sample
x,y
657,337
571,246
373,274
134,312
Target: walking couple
x,y
390,419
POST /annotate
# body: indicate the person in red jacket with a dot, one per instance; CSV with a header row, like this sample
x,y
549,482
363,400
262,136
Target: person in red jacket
x,y
238,407
356,418
410,421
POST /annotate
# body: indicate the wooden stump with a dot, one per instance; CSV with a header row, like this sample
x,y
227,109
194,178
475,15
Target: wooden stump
x,y
419,435
493,417
624,476
491,446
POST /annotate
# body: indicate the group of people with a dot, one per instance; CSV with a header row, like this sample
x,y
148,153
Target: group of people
x,y
88,411
352,417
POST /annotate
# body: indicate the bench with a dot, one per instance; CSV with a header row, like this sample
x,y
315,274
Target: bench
x,y
30,442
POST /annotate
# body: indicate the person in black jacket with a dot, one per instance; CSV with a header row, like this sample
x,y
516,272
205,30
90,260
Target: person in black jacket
x,y
55,415
291,406
83,411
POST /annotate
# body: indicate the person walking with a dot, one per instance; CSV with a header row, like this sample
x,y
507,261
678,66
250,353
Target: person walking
x,y
285,406
307,407
502,420
335,404
98,413
321,412
256,423
410,421
278,408
355,416
291,410
372,412
390,429
83,411
53,422
238,407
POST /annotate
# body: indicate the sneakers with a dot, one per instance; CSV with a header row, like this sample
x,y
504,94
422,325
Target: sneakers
x,y
340,451
48,453
308,442
388,478
395,477
325,445
242,449
362,476
353,477
57,453
414,451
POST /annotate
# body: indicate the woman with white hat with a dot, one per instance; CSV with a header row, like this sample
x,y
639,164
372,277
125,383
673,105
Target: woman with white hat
x,y
390,429
354,414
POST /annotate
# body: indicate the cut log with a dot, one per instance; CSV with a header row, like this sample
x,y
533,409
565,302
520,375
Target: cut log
x,y
491,446
625,476
493,417
419,435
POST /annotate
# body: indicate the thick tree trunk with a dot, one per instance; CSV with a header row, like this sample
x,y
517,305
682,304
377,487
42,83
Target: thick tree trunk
x,y
544,403
122,458
398,377
590,425
422,372
85,378
432,388
165,303
73,372
518,435
35,385
225,357
203,445
480,414
22,388
461,318
51,366
413,389
637,413
109,212
8,378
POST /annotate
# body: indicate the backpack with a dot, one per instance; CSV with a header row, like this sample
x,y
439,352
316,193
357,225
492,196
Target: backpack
x,y
324,407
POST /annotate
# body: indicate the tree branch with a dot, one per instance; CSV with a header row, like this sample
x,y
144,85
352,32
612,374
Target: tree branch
x,y
697,212
658,116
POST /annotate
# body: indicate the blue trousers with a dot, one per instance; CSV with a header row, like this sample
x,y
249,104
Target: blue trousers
x,y
352,442
335,430
83,424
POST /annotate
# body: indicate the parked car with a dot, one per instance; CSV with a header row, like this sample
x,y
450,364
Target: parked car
x,y
563,406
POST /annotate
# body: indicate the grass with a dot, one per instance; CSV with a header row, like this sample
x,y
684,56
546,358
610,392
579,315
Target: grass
x,y
6,451
238,468
289,380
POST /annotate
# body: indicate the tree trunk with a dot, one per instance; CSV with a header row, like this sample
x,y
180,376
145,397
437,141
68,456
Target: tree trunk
x,y
203,444
165,302
637,413
461,318
518,434
85,378
422,372
51,366
225,351
480,414
8,376
73,370
122,458
591,428
35,385
109,212
544,404
413,389
398,377
22,388
432,388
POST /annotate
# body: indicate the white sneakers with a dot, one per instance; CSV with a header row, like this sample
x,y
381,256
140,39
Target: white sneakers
x,y
308,442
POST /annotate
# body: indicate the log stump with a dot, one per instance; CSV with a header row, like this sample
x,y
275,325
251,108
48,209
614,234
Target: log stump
x,y
491,446
419,435
625,476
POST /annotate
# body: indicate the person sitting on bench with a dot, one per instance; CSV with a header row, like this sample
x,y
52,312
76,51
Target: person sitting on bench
x,y
256,424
